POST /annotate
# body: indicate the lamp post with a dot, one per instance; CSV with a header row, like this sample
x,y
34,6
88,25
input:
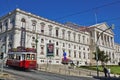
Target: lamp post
x,y
36,41
2,51
112,27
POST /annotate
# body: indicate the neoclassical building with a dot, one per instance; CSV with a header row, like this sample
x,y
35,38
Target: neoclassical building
x,y
20,28
105,40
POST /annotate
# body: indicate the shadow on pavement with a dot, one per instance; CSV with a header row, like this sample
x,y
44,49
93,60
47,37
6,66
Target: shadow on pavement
x,y
106,78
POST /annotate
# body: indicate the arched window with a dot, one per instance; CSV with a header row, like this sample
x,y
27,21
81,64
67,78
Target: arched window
x,y
23,23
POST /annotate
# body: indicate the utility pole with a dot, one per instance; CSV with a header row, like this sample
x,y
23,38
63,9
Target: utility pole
x,y
96,48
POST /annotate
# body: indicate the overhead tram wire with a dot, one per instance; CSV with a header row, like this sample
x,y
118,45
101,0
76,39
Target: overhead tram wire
x,y
115,18
112,3
106,20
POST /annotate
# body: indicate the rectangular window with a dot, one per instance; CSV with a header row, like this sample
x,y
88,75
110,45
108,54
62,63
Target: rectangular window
x,y
74,54
69,35
83,39
50,32
42,29
42,50
69,53
88,55
74,36
42,40
57,52
63,44
63,34
12,22
79,54
56,33
78,38
6,26
84,55
0,27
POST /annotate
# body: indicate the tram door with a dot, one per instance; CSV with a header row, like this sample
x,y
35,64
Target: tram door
x,y
23,59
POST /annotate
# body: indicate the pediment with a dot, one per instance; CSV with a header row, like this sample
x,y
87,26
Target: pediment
x,y
104,26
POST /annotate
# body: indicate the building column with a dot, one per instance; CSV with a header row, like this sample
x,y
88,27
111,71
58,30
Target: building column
x,y
16,40
95,36
6,44
100,41
110,41
106,41
103,41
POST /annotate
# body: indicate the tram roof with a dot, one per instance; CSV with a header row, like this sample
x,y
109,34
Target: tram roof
x,y
21,53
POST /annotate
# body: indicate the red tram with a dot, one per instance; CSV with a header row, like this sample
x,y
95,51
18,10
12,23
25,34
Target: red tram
x,y
25,59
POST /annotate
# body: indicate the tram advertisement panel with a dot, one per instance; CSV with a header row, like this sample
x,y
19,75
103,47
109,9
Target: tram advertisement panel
x,y
50,50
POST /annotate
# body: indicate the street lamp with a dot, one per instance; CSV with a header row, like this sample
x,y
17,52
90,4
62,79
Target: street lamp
x,y
112,27
36,41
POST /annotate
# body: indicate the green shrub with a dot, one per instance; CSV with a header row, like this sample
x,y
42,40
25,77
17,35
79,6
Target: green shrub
x,y
119,63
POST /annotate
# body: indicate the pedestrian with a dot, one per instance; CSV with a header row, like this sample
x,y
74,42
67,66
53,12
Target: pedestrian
x,y
108,72
105,71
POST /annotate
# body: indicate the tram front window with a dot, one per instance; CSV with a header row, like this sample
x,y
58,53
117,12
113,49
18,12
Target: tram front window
x,y
28,56
33,56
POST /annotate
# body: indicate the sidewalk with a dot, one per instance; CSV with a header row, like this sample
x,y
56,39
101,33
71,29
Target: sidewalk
x,y
64,70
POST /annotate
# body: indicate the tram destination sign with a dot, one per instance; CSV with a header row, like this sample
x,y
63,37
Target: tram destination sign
x,y
50,50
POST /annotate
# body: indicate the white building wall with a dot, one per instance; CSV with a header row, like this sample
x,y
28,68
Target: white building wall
x,y
117,51
41,58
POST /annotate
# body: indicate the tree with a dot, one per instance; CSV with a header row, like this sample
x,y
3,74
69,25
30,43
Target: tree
x,y
104,58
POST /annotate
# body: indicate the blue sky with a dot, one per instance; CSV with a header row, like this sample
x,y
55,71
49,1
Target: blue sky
x,y
81,12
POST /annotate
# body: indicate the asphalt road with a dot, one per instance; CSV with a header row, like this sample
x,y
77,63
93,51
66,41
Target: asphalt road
x,y
41,75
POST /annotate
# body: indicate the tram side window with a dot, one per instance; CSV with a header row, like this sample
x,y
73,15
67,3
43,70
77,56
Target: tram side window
x,y
14,56
17,57
28,56
33,56
11,56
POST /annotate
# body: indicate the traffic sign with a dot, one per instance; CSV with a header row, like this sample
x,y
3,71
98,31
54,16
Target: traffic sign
x,y
65,54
